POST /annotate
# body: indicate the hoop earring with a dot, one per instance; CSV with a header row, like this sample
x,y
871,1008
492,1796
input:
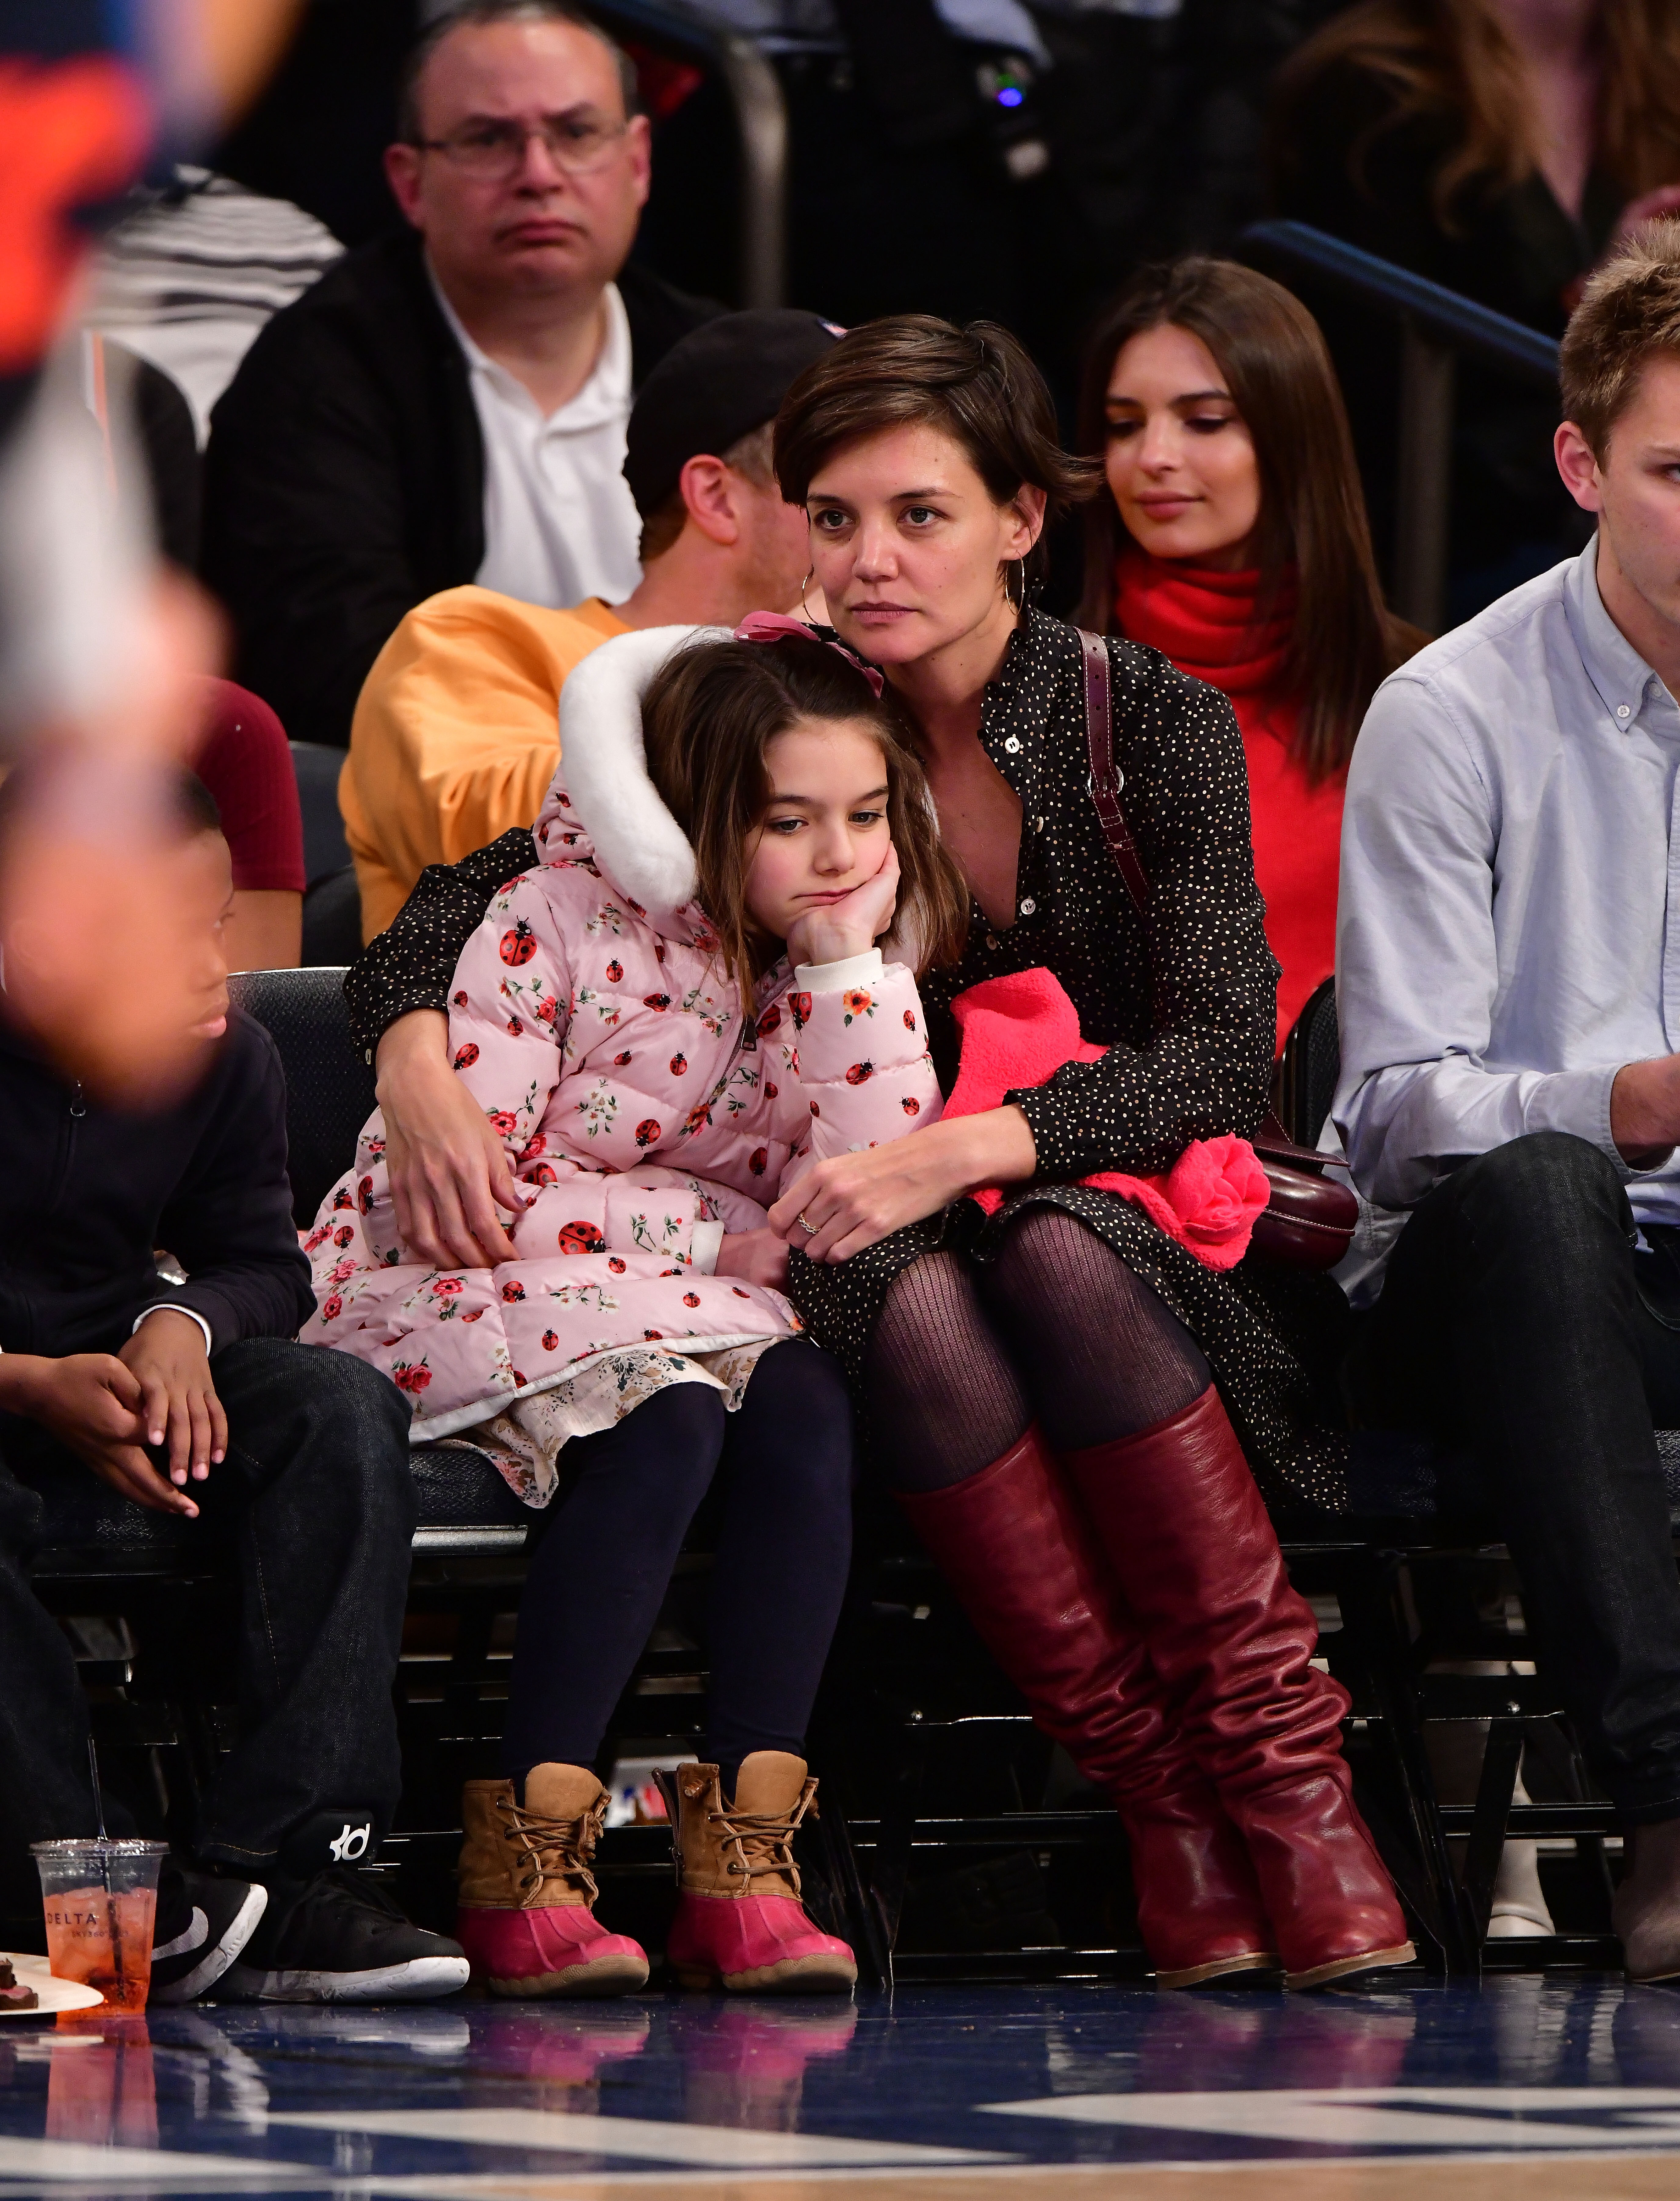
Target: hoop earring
x,y
1017,600
804,605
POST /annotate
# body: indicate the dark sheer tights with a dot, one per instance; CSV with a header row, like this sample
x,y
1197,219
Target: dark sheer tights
x,y
943,1395
1057,1326
1104,1354
600,1573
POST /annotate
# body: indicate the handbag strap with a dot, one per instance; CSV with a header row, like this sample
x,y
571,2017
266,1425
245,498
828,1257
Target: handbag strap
x,y
1106,779
1272,1141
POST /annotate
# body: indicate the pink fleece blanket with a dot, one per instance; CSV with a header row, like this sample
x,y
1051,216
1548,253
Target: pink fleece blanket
x,y
1019,1032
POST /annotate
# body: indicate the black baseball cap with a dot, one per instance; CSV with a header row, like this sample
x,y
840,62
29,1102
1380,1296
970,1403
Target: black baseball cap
x,y
723,380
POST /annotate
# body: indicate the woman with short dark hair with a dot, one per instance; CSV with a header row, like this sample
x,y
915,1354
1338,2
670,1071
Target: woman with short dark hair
x,y
1047,1386
1233,539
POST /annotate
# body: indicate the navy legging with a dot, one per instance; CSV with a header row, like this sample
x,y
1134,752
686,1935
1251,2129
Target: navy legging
x,y
601,1572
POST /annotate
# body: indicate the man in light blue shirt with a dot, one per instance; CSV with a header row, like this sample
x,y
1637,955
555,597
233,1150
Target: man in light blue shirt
x,y
1508,985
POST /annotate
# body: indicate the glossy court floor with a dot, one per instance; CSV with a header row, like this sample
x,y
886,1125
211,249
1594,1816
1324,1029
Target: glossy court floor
x,y
1523,2089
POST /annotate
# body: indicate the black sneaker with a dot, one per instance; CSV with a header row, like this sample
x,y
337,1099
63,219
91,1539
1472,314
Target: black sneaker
x,y
339,1938
203,1921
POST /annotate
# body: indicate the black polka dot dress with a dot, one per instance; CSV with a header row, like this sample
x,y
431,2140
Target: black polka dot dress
x,y
1186,1008
1186,1004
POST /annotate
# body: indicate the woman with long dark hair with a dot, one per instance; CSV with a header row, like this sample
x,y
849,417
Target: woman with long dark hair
x,y
1233,539
1494,145
1500,148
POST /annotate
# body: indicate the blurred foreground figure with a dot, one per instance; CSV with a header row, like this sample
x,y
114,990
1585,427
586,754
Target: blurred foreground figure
x,y
98,649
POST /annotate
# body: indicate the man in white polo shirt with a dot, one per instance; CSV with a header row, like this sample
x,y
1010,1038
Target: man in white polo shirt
x,y
1508,986
554,493
523,168
449,405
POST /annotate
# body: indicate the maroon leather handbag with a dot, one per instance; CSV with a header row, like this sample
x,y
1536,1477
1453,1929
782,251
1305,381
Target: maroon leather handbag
x,y
1309,1220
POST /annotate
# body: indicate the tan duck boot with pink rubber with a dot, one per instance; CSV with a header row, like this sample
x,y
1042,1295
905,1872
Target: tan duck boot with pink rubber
x,y
526,1894
739,1920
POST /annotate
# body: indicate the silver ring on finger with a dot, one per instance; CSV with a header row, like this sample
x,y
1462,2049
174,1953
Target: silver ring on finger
x,y
809,1228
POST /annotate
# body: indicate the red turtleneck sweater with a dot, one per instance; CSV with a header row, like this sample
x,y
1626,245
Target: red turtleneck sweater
x,y
1204,621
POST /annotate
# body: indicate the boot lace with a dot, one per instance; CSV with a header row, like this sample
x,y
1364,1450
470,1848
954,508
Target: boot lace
x,y
763,1840
553,1849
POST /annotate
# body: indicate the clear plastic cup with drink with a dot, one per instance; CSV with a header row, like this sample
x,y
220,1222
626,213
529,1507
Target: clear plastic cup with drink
x,y
100,1898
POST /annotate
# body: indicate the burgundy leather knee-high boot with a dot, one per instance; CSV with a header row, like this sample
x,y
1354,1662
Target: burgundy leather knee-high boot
x,y
1188,1537
1014,1546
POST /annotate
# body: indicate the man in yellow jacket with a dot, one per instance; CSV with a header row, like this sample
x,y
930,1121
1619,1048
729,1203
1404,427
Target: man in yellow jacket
x,y
456,731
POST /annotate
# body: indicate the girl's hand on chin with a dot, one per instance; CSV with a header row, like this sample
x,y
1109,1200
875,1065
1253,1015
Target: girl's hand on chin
x,y
850,926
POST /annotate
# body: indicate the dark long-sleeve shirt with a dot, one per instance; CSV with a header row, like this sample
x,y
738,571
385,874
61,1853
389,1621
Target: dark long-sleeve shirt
x,y
409,965
1345,164
88,1193
1185,998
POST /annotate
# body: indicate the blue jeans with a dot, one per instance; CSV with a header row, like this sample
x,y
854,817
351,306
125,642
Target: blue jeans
x,y
1517,1318
312,1514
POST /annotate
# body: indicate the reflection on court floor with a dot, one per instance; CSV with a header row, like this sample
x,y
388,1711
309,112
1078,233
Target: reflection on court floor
x,y
1571,2088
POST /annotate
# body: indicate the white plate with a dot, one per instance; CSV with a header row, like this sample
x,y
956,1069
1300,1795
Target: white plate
x,y
51,1994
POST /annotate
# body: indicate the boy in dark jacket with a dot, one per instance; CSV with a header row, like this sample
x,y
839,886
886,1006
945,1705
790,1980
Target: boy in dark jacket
x,y
191,1399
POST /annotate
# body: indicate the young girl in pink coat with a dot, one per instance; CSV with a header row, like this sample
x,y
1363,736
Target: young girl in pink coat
x,y
664,1021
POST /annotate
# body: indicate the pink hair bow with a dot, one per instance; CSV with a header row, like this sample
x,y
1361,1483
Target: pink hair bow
x,y
782,626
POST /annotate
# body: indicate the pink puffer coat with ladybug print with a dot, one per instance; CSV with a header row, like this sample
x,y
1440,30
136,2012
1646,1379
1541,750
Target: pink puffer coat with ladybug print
x,y
647,1115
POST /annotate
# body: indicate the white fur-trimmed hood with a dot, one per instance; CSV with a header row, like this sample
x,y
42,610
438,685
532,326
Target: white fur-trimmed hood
x,y
602,785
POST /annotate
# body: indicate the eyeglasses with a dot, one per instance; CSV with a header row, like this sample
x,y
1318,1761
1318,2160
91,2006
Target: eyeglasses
x,y
576,143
